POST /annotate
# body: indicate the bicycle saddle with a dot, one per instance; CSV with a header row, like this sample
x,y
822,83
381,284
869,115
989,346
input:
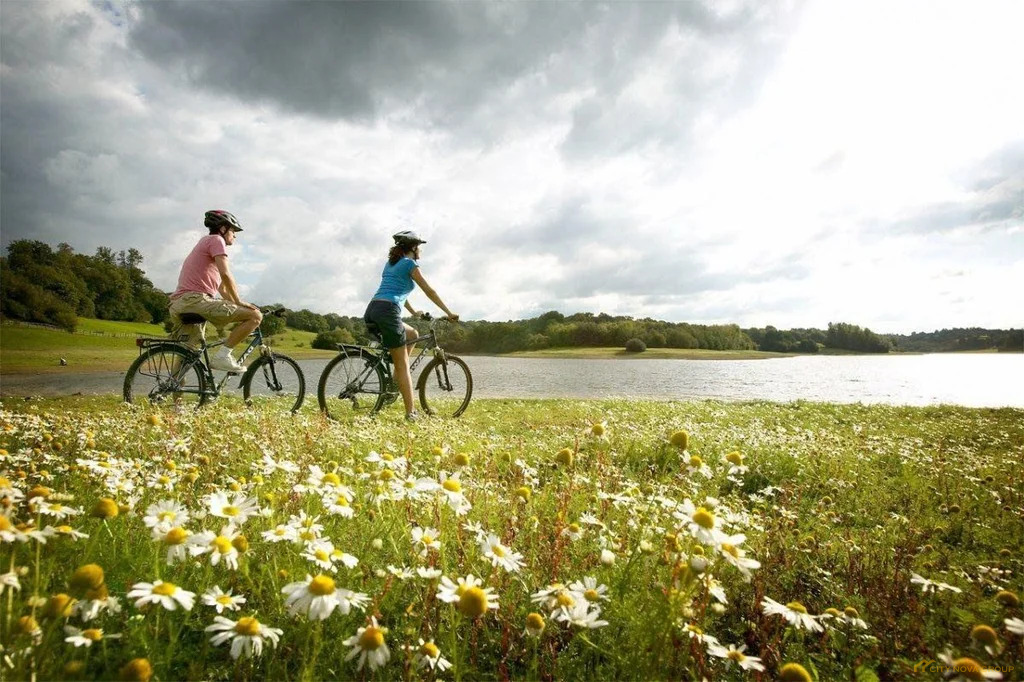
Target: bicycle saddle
x,y
191,318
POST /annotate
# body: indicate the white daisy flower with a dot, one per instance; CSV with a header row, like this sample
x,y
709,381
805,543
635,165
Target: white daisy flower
x,y
176,541
9,579
733,655
582,615
731,552
425,539
66,531
401,572
87,637
54,509
427,655
280,533
338,502
368,643
235,507
694,631
167,595
931,586
700,522
468,596
324,555
307,528
500,555
451,488
221,600
589,590
247,635
220,547
794,612
168,513
316,598
428,573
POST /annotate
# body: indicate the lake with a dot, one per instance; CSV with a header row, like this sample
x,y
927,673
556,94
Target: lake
x,y
974,380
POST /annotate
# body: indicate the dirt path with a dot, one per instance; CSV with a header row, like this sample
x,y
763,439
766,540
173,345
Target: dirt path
x,y
57,384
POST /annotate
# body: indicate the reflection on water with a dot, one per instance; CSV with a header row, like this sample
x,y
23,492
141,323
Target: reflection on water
x,y
978,380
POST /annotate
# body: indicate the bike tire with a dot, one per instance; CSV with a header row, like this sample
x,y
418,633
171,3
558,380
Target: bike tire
x,y
445,386
352,383
274,379
166,376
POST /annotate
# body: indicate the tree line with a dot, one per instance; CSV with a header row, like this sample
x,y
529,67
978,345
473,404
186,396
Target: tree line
x,y
39,284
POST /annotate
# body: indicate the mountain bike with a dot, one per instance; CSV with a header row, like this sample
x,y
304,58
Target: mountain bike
x,y
170,372
359,379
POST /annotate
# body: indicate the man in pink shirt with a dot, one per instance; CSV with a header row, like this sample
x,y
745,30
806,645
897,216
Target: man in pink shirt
x,y
204,274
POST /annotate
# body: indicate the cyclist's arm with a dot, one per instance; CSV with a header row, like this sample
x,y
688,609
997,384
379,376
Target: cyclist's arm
x,y
408,306
417,277
228,289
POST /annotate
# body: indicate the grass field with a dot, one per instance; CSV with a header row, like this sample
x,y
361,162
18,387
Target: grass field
x,y
543,540
104,346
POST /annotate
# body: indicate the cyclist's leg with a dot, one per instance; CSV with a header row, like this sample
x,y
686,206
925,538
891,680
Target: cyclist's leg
x,y
400,356
192,335
410,338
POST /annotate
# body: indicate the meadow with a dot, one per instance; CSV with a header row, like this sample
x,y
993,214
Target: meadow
x,y
549,539
105,346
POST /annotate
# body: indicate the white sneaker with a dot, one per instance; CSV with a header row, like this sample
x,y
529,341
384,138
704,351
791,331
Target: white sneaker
x,y
224,361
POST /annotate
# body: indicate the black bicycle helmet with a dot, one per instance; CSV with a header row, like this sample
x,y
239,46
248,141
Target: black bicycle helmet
x,y
408,238
215,219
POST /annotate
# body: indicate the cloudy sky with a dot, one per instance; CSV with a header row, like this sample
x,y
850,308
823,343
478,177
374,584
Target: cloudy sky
x,y
708,161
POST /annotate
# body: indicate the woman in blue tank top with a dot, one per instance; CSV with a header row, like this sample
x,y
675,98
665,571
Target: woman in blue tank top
x,y
384,313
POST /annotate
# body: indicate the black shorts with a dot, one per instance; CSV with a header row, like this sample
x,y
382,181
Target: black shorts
x,y
386,317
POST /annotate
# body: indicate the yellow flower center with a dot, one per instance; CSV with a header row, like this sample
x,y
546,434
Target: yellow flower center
x,y
473,602
969,668
64,529
224,599
307,535
247,626
696,462
167,515
430,650
93,634
535,621
452,486
321,585
321,555
371,639
222,544
564,599
386,475
592,595
737,656
985,635
175,536
734,458
794,672
163,479
796,606
597,429
342,501
88,577
57,507
332,478
574,528
5,523
730,549
230,510
388,457
498,550
165,589
462,459
703,518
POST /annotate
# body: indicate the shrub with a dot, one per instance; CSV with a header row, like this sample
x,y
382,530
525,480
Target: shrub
x,y
635,346
330,340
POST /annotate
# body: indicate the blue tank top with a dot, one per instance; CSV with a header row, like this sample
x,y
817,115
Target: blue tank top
x,y
396,281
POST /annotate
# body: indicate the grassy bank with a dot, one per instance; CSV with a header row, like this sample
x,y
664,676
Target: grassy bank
x,y
889,533
104,346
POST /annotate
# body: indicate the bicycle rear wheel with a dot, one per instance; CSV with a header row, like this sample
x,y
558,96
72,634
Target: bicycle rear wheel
x,y
274,380
165,376
445,386
351,384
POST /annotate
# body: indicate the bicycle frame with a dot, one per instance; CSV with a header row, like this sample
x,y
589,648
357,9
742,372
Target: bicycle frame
x,y
383,358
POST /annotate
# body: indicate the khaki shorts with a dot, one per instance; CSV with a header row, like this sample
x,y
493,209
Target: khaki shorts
x,y
218,312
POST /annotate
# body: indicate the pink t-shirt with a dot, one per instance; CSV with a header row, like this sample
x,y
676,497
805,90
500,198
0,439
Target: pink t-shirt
x,y
199,271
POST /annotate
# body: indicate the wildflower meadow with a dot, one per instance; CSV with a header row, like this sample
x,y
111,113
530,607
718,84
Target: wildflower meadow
x,y
546,540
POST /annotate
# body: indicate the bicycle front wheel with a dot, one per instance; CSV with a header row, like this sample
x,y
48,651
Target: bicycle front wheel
x,y
351,384
165,376
275,380
445,386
